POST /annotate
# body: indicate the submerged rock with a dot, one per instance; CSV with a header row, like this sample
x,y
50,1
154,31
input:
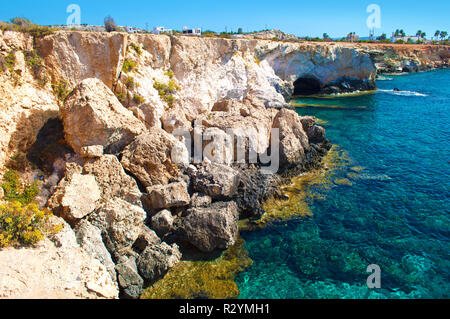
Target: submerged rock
x,y
92,115
157,259
213,227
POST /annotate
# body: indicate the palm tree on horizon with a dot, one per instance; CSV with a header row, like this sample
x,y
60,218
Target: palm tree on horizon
x,y
437,34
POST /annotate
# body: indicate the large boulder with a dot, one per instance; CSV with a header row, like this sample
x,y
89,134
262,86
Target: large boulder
x,y
120,223
157,259
79,197
130,282
162,222
167,196
293,140
90,239
112,180
237,126
216,180
213,227
146,238
200,200
149,157
74,199
92,115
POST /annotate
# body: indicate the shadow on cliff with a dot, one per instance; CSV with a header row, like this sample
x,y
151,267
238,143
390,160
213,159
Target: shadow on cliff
x,y
38,141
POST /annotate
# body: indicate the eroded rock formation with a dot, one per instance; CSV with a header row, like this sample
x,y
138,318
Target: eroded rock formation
x,y
132,204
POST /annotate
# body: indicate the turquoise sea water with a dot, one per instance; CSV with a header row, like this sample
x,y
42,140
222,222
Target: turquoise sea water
x,y
395,214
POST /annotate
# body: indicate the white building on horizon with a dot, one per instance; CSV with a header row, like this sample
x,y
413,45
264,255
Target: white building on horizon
x,y
406,38
160,30
187,31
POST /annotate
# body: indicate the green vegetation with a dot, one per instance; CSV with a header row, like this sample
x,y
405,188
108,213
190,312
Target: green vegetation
x,y
24,225
170,74
14,191
400,41
138,99
399,33
128,66
24,25
130,83
61,90
257,61
10,61
136,48
120,96
166,91
9,64
36,63
203,279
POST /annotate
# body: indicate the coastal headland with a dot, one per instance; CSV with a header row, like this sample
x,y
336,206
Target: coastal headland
x,y
107,127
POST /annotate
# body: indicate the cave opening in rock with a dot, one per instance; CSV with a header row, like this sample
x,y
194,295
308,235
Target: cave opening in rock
x,y
307,85
49,146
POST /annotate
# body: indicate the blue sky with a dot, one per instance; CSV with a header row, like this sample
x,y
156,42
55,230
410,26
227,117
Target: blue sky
x,y
299,17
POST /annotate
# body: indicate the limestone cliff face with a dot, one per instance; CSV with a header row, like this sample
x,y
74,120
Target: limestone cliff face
x,y
205,72
118,98
390,58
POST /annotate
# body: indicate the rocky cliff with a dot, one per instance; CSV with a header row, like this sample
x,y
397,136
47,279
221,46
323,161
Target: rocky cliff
x,y
97,116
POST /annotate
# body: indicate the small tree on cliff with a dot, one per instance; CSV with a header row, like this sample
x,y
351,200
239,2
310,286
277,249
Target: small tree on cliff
x,y
110,25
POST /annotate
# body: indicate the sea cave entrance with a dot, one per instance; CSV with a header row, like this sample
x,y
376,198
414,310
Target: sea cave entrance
x,y
307,85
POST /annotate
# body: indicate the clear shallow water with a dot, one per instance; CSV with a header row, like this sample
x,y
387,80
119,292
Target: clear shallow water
x,y
395,214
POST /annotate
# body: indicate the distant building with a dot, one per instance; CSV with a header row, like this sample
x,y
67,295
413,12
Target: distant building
x,y
405,39
187,31
131,30
160,30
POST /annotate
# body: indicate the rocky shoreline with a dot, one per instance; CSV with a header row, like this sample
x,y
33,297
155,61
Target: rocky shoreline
x,y
114,133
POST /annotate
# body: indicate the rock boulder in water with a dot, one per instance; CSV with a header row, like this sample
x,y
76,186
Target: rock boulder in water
x,y
213,227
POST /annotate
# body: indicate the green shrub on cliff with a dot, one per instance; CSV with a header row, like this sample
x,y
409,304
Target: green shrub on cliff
x,y
136,48
24,225
61,90
24,25
130,83
128,66
166,91
14,191
138,99
36,64
10,60
120,96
